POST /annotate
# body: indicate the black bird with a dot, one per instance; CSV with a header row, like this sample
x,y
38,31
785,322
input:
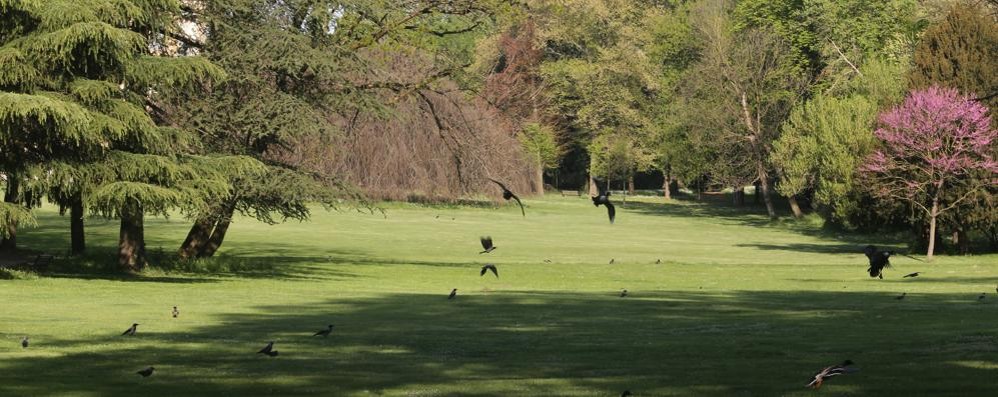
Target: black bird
x,y
626,393
981,298
487,244
175,312
131,330
879,260
268,349
915,274
604,198
611,261
507,194
658,261
324,333
549,261
901,296
272,353
828,372
489,267
146,372
24,343
996,289
623,293
453,293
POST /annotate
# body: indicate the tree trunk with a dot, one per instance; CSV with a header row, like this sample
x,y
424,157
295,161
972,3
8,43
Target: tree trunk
x,y
78,242
196,237
539,179
593,190
794,206
738,198
932,227
764,183
131,241
667,183
961,241
224,219
9,243
757,196
630,185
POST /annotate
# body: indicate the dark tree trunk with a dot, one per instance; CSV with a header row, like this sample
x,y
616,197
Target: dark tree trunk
x,y
630,185
757,196
78,242
223,220
131,241
9,243
197,237
764,183
738,198
794,207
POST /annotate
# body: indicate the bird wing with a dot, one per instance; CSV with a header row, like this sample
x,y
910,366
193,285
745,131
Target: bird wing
x,y
486,242
521,205
267,349
499,183
612,212
494,271
870,251
484,269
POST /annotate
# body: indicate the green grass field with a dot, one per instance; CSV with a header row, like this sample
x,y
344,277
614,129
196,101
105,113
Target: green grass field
x,y
739,307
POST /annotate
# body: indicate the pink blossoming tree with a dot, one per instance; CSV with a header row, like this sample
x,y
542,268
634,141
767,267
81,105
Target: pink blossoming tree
x,y
931,144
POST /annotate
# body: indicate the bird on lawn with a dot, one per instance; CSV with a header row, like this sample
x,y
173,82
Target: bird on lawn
x,y
24,343
489,268
175,312
604,199
879,260
626,393
146,372
981,298
268,350
623,293
611,261
507,194
901,296
658,261
324,333
915,274
453,293
828,372
131,330
996,289
487,244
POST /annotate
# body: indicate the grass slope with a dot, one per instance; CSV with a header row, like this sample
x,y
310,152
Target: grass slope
x,y
739,307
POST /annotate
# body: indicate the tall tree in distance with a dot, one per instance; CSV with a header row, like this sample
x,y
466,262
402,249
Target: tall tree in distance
x,y
931,146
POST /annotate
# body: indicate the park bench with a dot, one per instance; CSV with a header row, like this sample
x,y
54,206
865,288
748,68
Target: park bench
x,y
571,193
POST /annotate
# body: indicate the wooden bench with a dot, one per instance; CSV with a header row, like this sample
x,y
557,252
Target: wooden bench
x,y
571,192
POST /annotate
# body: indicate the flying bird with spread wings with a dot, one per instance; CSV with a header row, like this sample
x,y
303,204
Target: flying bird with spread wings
x,y
508,194
489,268
828,372
604,199
487,244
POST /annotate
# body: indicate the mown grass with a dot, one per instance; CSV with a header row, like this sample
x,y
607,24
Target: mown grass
x,y
739,307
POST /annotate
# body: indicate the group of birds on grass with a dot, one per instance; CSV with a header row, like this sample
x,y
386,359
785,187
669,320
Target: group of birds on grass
x,y
879,260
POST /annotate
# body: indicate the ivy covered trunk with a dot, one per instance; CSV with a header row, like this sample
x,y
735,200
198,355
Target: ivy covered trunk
x,y
131,240
77,240
9,243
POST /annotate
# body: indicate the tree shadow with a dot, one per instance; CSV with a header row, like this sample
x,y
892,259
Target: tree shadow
x,y
545,343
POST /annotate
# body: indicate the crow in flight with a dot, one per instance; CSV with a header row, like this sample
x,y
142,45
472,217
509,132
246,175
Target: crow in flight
x,y
24,343
901,296
268,350
878,260
131,330
507,194
604,198
453,293
828,372
487,244
915,274
489,268
146,372
175,312
324,333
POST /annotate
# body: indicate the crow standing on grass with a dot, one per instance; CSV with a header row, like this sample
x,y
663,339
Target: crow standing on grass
x,y
489,268
24,343
981,298
604,199
623,293
828,372
487,244
131,330
268,350
903,294
453,293
146,372
175,312
507,194
324,333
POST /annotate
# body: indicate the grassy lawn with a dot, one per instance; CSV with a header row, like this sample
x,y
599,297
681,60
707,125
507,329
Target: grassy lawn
x,y
739,307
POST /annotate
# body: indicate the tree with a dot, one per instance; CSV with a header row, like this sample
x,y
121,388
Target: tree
x,y
76,81
959,52
931,143
541,142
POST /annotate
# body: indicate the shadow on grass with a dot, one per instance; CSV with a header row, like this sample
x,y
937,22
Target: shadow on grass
x,y
552,344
